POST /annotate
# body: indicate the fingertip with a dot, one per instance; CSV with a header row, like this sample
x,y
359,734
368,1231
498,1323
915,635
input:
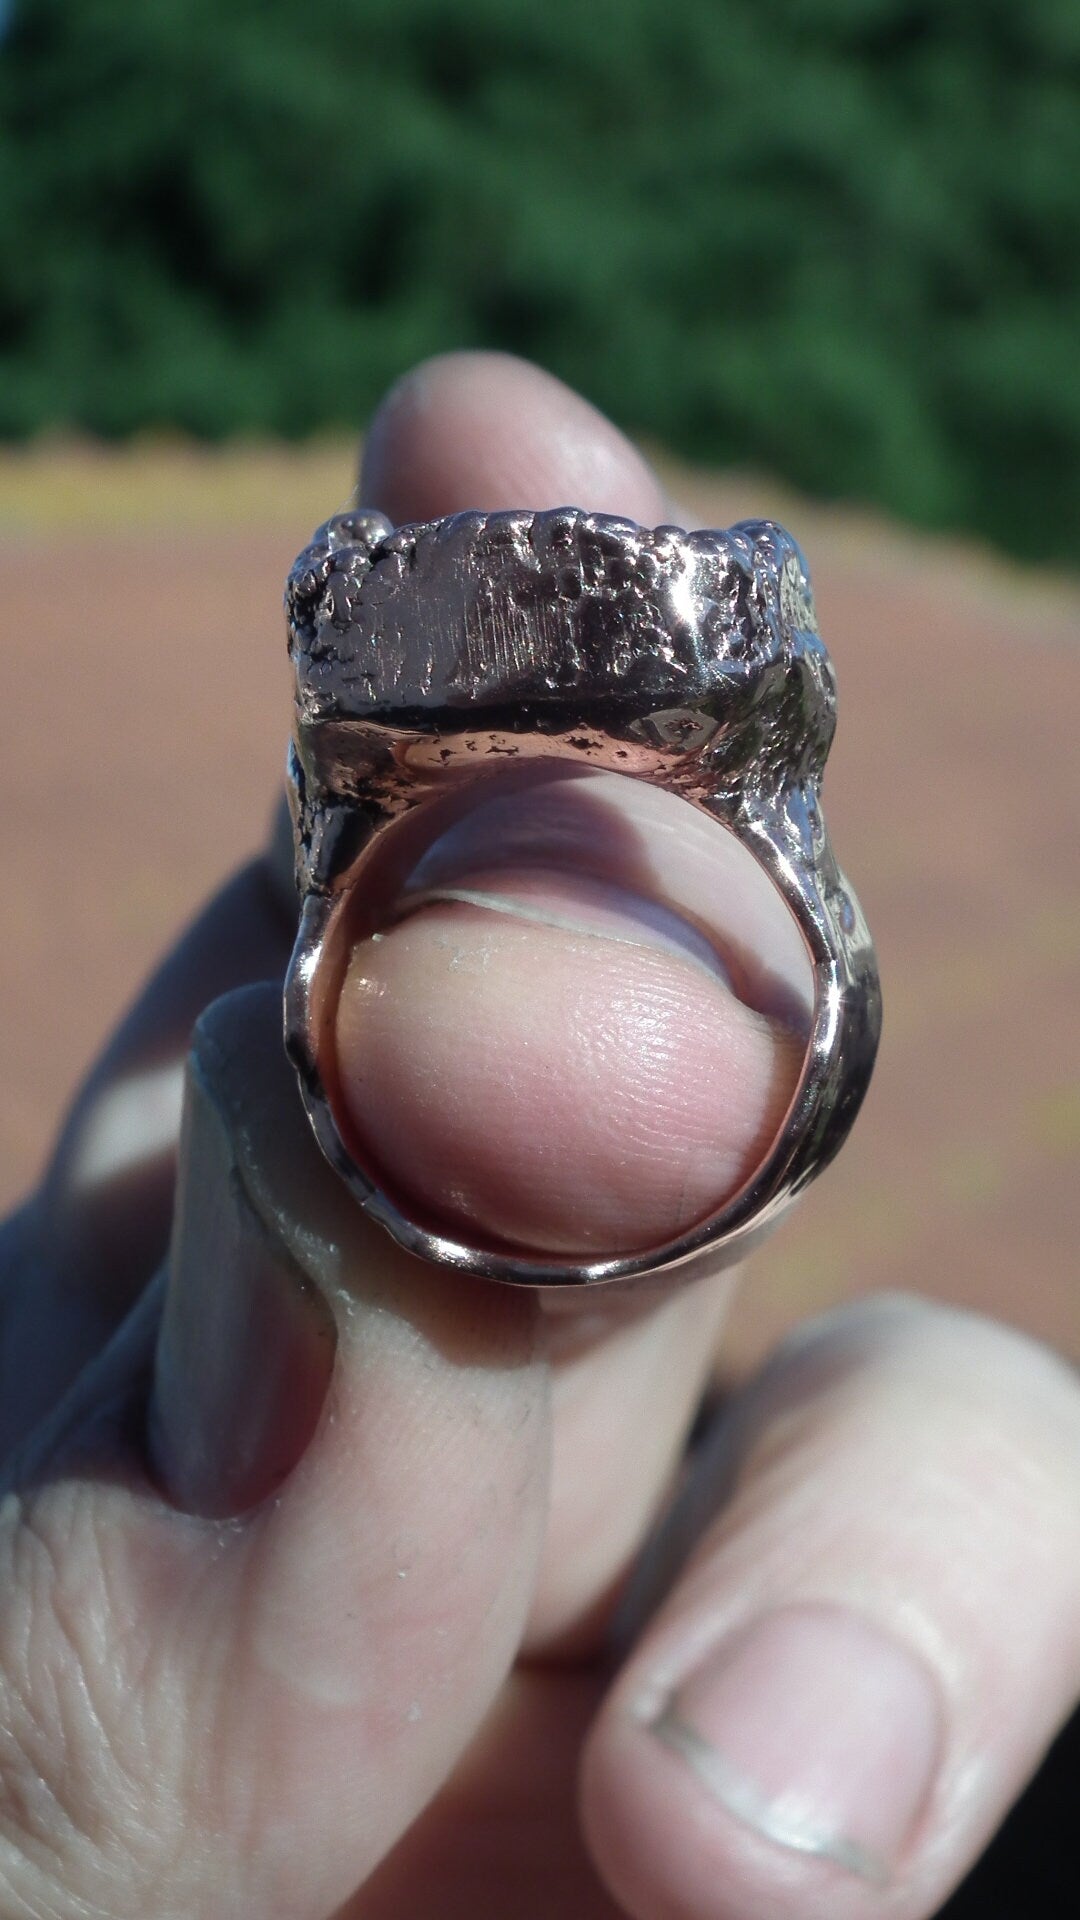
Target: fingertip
x,y
551,1086
489,431
830,1713
788,1774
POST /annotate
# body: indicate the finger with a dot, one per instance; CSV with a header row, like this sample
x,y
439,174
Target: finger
x,y
488,430
625,1385
97,1228
239,1716
77,1257
873,1644
502,1838
626,1405
579,1026
122,1131
567,1035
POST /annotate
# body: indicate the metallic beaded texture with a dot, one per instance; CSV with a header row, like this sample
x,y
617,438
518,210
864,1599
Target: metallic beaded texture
x,y
435,656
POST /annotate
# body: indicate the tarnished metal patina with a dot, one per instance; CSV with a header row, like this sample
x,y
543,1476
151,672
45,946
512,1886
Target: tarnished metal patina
x,y
431,658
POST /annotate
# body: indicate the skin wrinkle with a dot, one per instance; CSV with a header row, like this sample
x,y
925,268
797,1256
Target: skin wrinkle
x,y
95,1797
658,1053
597,1074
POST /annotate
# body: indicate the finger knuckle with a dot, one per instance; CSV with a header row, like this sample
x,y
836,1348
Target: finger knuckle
x,y
87,1811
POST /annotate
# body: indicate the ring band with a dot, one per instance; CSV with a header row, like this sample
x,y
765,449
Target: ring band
x,y
429,657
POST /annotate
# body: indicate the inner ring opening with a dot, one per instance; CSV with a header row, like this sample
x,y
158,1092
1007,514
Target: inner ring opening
x,y
604,843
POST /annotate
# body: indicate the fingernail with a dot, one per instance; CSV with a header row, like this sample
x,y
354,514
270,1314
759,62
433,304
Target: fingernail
x,y
575,903
246,1343
816,1729
676,870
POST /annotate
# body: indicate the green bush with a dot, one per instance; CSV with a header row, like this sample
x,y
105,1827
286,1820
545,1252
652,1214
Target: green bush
x,y
835,238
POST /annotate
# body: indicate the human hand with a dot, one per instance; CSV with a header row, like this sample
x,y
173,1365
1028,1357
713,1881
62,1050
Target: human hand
x,y
428,1670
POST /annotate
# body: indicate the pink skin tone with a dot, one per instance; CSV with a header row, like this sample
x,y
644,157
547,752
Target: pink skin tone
x,y
385,1688
574,1040
607,1093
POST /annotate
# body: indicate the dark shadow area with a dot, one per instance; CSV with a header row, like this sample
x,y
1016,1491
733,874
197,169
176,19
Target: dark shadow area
x,y
1029,1871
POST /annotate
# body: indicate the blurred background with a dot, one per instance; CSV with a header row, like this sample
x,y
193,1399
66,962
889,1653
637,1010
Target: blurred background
x,y
837,238
822,256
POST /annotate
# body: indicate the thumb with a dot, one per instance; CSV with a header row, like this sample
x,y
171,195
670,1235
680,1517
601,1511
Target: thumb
x,y
242,1715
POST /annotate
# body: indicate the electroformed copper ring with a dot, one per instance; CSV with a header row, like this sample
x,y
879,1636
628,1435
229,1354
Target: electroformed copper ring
x,y
430,658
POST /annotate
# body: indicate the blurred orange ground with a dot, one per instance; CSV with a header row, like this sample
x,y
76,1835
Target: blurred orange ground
x,y
145,711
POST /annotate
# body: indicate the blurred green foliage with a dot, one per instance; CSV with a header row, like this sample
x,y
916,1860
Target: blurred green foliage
x,y
838,239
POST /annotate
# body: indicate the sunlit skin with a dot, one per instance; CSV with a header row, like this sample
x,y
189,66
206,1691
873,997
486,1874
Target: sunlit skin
x,y
333,1588
614,1091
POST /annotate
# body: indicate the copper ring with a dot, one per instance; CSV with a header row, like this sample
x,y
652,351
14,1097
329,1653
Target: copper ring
x,y
427,655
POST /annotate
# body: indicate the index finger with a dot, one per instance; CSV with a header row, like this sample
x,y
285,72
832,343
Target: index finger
x,y
544,1036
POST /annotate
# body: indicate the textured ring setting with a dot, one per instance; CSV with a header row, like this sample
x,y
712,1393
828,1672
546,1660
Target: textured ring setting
x,y
431,660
